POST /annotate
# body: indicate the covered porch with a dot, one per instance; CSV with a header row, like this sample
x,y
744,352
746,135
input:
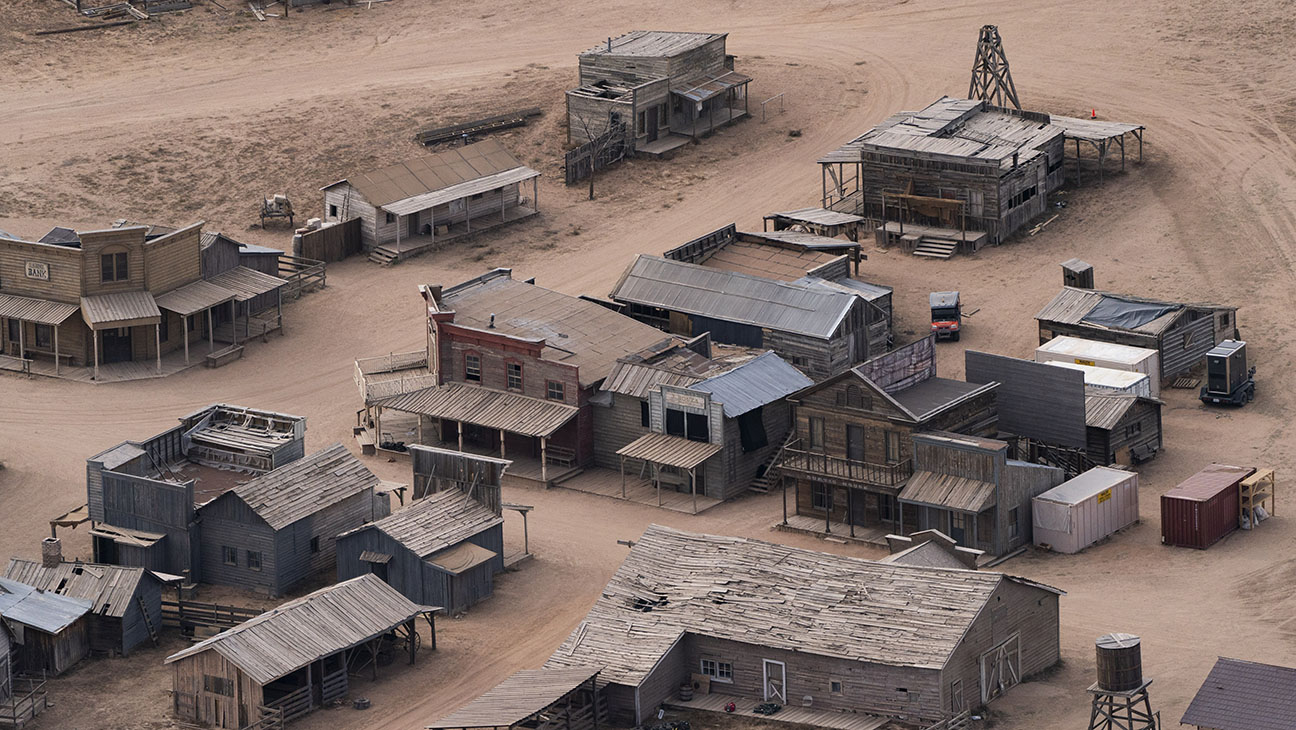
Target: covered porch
x,y
111,319
43,320
960,507
630,488
668,460
705,102
193,300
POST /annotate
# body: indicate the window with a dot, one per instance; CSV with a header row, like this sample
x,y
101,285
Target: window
x,y
674,422
644,418
332,211
888,510
1223,321
661,115
554,390
1133,429
472,368
835,686
696,427
218,685
893,447
164,328
254,560
816,433
391,218
113,267
229,555
315,546
513,374
15,330
718,670
821,496
855,398
1014,525
44,336
961,528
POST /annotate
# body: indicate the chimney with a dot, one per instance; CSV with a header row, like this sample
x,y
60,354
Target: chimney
x,y
492,324
51,552
609,44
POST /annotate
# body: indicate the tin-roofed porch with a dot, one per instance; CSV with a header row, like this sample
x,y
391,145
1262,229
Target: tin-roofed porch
x,y
633,488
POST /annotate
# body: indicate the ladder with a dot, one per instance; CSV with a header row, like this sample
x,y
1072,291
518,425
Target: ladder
x,y
148,622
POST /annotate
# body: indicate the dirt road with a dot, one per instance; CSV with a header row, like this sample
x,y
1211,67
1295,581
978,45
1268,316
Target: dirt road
x,y
196,116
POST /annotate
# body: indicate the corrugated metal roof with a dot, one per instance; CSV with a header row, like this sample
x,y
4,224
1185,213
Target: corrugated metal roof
x,y
436,522
305,486
775,596
818,216
29,606
653,43
948,491
862,289
461,190
125,308
755,383
41,311
246,283
1209,481
1088,484
430,173
194,297
682,368
517,698
682,287
704,86
675,451
108,587
494,409
287,638
1243,695
461,558
936,394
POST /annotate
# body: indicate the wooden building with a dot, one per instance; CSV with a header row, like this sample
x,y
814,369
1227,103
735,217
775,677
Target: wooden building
x,y
1181,334
969,489
936,641
143,496
140,294
931,549
1244,695
50,632
295,658
516,366
430,199
553,699
851,451
819,221
666,86
126,603
954,167
1121,429
280,528
443,549
716,436
821,330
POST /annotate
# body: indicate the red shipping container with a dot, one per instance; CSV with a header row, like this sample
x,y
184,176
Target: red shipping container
x,y
1203,508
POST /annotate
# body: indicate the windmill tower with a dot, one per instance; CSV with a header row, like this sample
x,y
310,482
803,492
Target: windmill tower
x,y
991,78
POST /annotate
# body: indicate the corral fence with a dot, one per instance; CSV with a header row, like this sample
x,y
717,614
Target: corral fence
x,y
776,100
302,274
601,152
331,243
188,615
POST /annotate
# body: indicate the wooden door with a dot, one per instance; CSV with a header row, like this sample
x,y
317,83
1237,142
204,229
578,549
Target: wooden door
x,y
855,442
653,116
1000,668
116,345
775,681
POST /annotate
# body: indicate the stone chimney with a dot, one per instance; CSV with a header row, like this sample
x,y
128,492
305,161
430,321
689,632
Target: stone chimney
x,y
51,552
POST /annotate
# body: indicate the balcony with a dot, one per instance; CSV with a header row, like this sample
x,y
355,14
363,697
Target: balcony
x,y
798,462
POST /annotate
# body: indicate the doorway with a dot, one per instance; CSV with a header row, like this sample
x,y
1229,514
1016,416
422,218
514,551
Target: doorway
x,y
116,345
775,681
855,442
1000,668
653,119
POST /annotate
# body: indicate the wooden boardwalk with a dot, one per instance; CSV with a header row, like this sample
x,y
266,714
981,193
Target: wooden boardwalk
x,y
839,530
119,372
607,483
789,713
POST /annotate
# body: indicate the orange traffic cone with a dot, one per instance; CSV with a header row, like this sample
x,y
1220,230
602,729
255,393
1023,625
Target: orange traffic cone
x,y
1093,113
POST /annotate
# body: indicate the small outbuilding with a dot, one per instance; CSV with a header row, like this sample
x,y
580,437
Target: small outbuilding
x,y
50,632
553,699
1243,695
1120,428
297,657
1079,512
1203,508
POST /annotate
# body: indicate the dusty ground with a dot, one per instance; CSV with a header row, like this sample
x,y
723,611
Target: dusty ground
x,y
196,115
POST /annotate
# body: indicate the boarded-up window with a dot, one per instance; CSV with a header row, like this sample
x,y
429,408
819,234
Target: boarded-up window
x,y
751,430
218,685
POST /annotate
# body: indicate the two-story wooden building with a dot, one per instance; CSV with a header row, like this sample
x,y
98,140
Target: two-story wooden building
x,y
127,294
664,86
516,366
851,451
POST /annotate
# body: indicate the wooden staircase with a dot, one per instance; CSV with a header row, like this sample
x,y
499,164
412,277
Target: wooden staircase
x,y
767,480
383,255
937,248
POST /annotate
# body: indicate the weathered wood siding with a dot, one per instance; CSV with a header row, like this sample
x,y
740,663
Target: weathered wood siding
x,y
73,339
731,472
173,260
134,631
616,426
588,117
1018,484
64,265
221,256
7,667
417,579
53,654
663,681
1141,427
351,204
229,522
116,240
294,559
140,503
210,708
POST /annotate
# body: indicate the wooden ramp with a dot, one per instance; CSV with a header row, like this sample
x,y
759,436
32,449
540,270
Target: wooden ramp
x,y
792,714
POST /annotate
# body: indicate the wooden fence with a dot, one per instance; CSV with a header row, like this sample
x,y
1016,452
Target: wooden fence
x,y
331,243
187,615
294,704
27,701
302,274
601,152
272,718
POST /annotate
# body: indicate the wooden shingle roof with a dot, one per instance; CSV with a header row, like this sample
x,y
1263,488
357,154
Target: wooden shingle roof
x,y
1242,695
436,522
109,587
306,486
425,173
517,698
775,596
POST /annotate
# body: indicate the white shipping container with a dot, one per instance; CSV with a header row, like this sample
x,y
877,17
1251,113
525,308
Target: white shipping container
x,y
1104,355
1125,382
1075,514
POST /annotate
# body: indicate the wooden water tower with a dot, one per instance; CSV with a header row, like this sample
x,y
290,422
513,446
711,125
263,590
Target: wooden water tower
x,y
1077,273
1120,696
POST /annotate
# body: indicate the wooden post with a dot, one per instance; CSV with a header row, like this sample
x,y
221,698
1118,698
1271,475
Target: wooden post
x,y
594,699
785,488
94,335
502,454
823,185
310,693
657,478
211,332
431,617
850,510
432,223
377,425
459,429
526,537
398,227
503,218
827,508
468,214
233,323
279,307
184,328
413,631
22,344
535,194
693,484
544,461
56,351
623,479
1077,163
373,650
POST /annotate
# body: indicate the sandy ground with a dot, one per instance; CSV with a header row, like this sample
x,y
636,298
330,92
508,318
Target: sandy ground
x,y
196,115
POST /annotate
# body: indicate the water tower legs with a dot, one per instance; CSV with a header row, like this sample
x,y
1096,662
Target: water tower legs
x,y
1129,710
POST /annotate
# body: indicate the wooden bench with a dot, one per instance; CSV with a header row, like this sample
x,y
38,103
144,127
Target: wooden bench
x,y
224,356
560,455
365,439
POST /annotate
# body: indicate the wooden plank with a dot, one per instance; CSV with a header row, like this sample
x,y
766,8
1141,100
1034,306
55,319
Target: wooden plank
x,y
79,28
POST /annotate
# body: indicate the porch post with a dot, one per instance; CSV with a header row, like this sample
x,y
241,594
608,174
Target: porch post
x,y
184,327
785,488
432,223
900,509
279,308
398,227
693,484
22,344
420,429
503,218
623,483
409,626
94,335
211,332
56,350
657,478
544,461
828,495
459,429
377,425
468,214
535,193
850,510
310,694
233,323
502,454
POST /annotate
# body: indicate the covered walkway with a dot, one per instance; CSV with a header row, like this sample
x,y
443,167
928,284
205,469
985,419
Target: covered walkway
x,y
670,460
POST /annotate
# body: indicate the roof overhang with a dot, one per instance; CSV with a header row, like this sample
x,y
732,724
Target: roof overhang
x,y
120,309
40,311
195,297
460,190
499,410
660,448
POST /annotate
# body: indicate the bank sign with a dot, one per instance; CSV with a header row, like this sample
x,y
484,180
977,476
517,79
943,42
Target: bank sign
x,y
38,270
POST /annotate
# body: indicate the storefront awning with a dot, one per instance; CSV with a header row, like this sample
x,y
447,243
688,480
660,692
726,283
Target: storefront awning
x,y
701,88
194,297
246,283
948,492
40,311
660,448
120,309
494,409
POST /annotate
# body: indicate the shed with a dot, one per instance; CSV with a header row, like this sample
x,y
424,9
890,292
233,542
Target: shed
x,y
442,550
1121,429
1244,695
1081,511
1203,508
555,699
48,629
1104,355
294,657
127,602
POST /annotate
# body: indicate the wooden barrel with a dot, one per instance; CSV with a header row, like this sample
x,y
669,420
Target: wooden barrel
x,y
1120,662
686,692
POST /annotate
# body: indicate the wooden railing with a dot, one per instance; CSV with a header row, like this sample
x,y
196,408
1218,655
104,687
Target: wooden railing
x,y
850,203
395,380
272,718
27,702
302,274
333,686
953,722
191,614
816,464
294,704
16,364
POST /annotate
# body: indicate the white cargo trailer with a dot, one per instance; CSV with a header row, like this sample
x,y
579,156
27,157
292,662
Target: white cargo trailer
x,y
1077,513
1124,382
1104,355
